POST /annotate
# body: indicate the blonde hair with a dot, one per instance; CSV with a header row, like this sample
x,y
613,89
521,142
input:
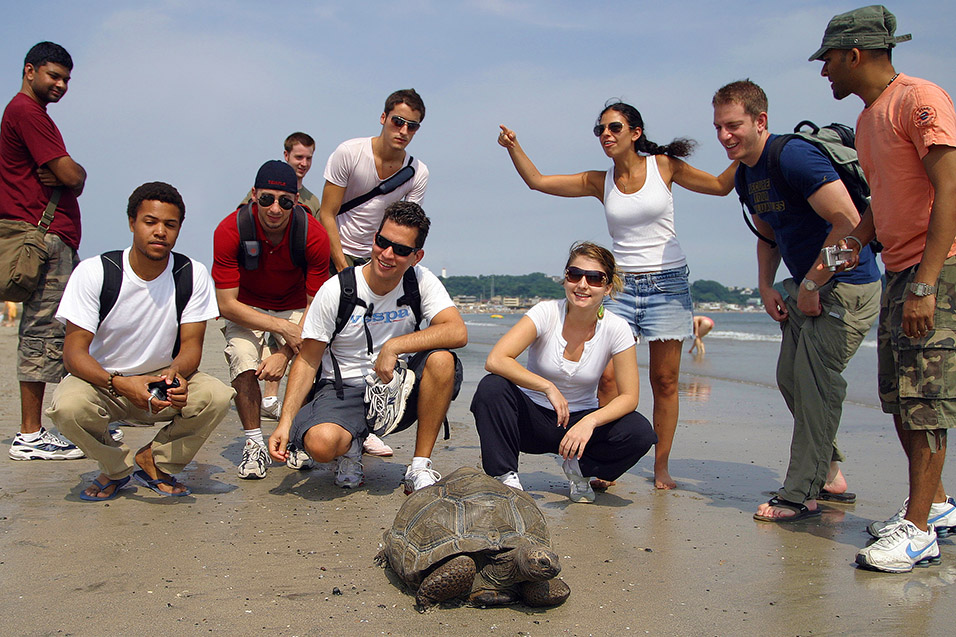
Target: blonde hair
x,y
603,256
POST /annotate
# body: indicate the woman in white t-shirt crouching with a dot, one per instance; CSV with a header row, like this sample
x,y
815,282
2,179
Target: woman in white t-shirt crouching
x,y
552,405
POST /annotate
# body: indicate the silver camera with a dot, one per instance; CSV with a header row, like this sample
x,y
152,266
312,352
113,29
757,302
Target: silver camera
x,y
834,257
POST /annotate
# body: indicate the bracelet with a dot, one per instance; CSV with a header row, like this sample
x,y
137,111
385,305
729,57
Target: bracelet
x,y
858,242
111,388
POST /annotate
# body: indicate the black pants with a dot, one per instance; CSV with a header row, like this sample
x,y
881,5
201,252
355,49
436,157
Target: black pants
x,y
509,422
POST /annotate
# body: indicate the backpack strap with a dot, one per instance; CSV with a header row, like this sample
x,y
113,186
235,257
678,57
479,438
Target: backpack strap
x,y
183,279
348,301
740,185
299,236
411,295
407,172
779,182
249,246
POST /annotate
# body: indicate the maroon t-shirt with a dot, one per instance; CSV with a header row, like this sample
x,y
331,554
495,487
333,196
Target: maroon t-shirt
x,y
277,283
28,140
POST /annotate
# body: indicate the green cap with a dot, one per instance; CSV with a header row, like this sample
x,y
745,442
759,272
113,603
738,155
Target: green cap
x,y
866,28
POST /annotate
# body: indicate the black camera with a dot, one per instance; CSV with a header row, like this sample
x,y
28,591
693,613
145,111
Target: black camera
x,y
158,389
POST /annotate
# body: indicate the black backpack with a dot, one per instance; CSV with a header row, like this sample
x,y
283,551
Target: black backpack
x,y
837,142
113,281
250,247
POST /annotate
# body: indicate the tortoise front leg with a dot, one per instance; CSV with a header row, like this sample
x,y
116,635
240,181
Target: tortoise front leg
x,y
547,593
452,579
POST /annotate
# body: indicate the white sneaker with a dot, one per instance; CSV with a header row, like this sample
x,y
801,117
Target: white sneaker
x,y
255,459
270,408
299,459
48,446
420,478
942,515
581,490
510,479
374,446
901,550
386,401
349,472
116,433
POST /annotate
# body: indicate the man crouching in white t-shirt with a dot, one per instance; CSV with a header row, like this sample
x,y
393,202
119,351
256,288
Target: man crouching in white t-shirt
x,y
379,332
113,359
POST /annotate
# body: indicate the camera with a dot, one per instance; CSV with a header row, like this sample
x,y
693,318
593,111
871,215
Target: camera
x,y
158,389
834,257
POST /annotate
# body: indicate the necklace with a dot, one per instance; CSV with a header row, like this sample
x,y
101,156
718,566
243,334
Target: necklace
x,y
891,81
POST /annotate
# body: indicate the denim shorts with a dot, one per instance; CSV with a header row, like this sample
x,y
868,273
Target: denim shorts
x,y
656,305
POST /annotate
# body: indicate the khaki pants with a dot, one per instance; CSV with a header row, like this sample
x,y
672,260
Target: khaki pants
x,y
813,354
82,412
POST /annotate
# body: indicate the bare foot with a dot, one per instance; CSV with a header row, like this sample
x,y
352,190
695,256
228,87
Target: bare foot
x,y
602,485
663,480
144,458
835,483
95,492
779,513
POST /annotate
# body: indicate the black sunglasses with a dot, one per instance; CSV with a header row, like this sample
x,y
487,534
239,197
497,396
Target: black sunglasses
x,y
614,127
266,199
401,121
595,278
399,249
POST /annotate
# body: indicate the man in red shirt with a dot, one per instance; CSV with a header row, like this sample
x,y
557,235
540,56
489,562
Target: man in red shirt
x,y
262,291
35,167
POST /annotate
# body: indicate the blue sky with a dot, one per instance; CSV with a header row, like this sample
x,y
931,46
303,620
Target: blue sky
x,y
200,93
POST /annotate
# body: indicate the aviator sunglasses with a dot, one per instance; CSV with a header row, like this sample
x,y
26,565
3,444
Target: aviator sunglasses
x,y
266,199
595,278
399,249
401,121
614,127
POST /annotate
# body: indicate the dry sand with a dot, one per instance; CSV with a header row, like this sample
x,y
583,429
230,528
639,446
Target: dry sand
x,y
293,555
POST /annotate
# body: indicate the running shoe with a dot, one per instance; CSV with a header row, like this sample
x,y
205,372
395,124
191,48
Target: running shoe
x,y
349,472
510,479
115,432
299,459
386,401
905,547
255,460
374,446
48,446
581,490
270,408
942,515
420,477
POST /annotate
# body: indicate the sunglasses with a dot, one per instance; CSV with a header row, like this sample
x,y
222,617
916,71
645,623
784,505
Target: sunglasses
x,y
266,199
595,278
399,249
401,121
614,127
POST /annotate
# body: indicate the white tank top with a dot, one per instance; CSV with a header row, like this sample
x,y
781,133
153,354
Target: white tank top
x,y
641,224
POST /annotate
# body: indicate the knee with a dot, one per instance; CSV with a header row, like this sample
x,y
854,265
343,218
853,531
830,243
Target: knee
x,y
664,384
324,444
214,396
440,366
491,386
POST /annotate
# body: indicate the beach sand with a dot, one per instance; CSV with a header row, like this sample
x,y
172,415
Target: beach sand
x,y
293,555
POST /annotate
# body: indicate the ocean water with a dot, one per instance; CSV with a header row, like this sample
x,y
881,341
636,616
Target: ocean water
x,y
741,348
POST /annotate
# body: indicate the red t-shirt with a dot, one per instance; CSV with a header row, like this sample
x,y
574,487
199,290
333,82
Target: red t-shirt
x,y
277,284
28,140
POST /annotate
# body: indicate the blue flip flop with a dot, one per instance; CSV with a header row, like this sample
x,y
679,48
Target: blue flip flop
x,y
143,478
103,487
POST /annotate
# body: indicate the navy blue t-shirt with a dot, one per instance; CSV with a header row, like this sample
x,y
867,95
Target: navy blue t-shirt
x,y
799,231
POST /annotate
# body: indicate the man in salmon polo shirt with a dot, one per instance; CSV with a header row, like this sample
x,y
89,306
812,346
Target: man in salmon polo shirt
x,y
906,139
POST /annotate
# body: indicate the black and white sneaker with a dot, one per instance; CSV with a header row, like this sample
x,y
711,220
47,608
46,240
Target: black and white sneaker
x,y
48,446
386,401
255,459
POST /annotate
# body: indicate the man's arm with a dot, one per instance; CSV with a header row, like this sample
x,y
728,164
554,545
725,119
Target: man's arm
x,y
191,337
446,331
301,378
273,366
940,165
332,196
768,260
232,308
63,171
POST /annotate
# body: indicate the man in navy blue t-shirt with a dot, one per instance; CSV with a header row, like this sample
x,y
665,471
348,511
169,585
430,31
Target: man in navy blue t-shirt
x,y
824,315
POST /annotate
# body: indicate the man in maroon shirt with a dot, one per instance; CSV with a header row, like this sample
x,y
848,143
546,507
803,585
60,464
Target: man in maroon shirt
x,y
33,165
268,297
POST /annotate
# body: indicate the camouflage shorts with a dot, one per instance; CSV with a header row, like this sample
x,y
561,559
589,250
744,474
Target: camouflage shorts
x,y
917,377
40,352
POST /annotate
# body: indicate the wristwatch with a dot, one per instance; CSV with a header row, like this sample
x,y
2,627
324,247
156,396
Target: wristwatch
x,y
922,289
809,285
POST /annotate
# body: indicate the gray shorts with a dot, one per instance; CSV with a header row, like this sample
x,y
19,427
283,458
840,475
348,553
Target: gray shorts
x,y
349,411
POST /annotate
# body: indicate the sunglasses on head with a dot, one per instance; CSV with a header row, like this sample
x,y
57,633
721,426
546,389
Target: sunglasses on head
x,y
595,278
399,249
266,199
614,127
401,121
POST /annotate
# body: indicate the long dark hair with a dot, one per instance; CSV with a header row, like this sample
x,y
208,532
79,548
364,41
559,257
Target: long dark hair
x,y
680,147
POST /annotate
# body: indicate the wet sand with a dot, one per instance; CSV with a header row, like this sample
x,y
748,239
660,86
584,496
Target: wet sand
x,y
293,555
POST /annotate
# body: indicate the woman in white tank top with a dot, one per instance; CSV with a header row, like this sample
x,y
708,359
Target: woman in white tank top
x,y
639,209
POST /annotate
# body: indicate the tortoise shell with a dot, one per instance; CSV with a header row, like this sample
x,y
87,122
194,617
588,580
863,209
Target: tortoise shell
x,y
466,512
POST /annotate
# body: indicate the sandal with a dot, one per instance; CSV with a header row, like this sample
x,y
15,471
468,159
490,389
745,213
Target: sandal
x,y
801,512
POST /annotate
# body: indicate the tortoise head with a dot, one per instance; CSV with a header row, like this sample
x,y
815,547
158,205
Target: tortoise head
x,y
537,563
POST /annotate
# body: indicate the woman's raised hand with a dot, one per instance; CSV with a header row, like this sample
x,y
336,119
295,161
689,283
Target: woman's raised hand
x,y
507,137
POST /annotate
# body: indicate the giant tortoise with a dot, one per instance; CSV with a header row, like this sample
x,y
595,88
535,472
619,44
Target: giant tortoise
x,y
472,537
